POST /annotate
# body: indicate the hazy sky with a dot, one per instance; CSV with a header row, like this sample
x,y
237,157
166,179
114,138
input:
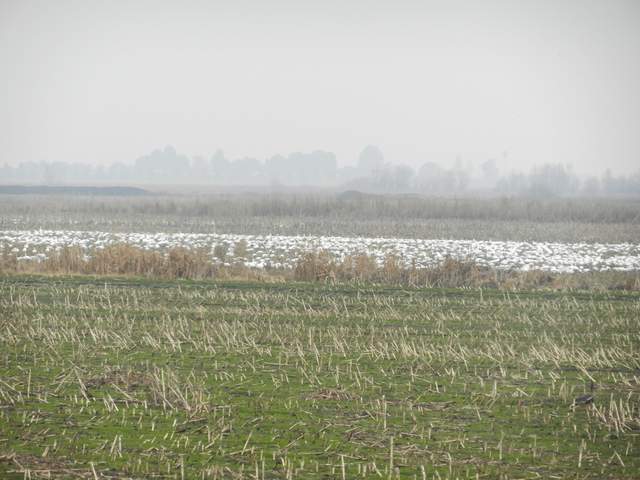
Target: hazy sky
x,y
543,81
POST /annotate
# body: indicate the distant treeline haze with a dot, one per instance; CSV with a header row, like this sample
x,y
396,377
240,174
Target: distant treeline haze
x,y
320,169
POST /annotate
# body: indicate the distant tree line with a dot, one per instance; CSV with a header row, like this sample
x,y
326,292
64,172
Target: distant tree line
x,y
557,180
319,168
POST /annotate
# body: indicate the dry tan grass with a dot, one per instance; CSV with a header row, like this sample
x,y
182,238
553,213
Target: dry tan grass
x,y
129,260
452,273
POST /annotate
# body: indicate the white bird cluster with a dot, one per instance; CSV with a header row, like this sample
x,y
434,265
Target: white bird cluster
x,y
284,251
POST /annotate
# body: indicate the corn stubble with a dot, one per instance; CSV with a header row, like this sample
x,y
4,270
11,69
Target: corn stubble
x,y
106,378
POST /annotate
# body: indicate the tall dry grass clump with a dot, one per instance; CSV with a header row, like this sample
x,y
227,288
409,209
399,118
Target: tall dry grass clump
x,y
455,273
322,265
66,260
8,261
392,268
314,266
123,259
183,263
360,267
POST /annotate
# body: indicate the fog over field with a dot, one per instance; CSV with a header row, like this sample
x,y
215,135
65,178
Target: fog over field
x,y
453,83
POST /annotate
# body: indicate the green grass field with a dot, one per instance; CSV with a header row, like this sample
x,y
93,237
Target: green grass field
x,y
124,378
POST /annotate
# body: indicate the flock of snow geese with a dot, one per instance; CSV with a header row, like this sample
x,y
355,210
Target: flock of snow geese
x,y
261,251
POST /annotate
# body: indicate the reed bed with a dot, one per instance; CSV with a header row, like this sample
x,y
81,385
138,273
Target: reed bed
x,y
592,219
321,266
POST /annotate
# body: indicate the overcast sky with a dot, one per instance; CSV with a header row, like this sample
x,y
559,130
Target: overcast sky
x,y
521,81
